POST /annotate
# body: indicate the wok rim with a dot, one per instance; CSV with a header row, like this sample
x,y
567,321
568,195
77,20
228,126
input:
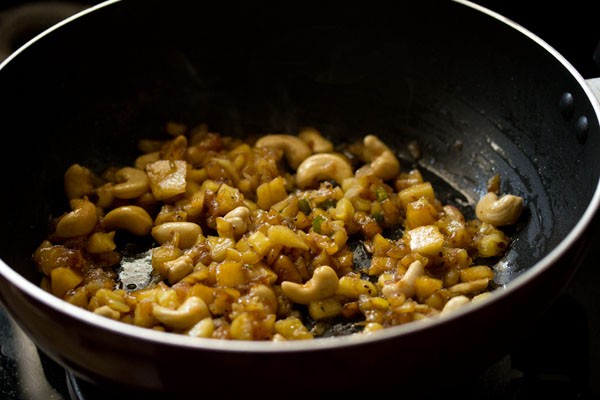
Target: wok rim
x,y
178,340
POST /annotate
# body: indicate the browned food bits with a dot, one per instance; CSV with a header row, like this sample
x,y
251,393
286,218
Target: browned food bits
x,y
273,239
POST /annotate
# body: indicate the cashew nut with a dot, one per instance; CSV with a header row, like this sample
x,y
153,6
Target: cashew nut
x,y
295,150
134,183
187,315
406,285
145,159
108,312
131,218
78,182
323,284
383,162
455,303
321,167
187,232
239,218
178,268
505,210
314,140
264,295
101,242
470,287
78,222
104,195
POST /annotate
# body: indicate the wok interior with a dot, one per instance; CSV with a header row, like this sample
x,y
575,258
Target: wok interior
x,y
478,97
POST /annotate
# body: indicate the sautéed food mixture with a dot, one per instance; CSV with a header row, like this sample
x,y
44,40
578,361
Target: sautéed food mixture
x,y
277,237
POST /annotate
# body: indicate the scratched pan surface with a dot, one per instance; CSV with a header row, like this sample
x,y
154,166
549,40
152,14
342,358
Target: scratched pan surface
x,y
479,95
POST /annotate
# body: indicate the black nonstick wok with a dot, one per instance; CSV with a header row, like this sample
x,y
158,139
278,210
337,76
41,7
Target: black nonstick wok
x,y
480,95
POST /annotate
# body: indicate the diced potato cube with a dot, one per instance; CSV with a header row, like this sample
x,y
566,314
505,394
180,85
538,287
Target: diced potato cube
x,y
426,240
492,244
64,279
380,265
292,328
260,243
415,192
420,212
352,287
218,247
203,291
326,308
425,286
271,192
280,234
344,210
475,273
228,198
167,178
381,245
231,273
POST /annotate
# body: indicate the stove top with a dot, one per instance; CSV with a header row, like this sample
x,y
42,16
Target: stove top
x,y
558,358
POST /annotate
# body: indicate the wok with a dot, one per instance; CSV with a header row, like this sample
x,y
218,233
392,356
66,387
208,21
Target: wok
x,y
479,94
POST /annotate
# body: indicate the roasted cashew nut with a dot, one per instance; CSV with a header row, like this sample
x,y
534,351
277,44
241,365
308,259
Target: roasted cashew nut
x,y
187,315
131,218
295,150
406,285
101,242
455,303
319,167
314,140
133,183
145,159
187,232
239,218
78,182
505,210
178,268
264,295
383,162
323,284
78,222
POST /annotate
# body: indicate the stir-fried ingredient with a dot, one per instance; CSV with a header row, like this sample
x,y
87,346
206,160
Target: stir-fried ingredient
x,y
281,238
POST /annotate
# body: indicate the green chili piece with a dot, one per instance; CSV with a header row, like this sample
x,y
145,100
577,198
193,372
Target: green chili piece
x,y
381,194
304,206
316,224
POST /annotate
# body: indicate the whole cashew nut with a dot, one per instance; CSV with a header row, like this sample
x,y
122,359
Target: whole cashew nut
x,y
78,222
314,140
406,285
178,268
131,218
101,242
505,210
323,284
78,182
134,183
188,233
383,162
295,150
321,167
187,315
239,218
455,303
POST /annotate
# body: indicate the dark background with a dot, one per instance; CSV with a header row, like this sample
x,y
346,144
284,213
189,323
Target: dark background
x,y
571,27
